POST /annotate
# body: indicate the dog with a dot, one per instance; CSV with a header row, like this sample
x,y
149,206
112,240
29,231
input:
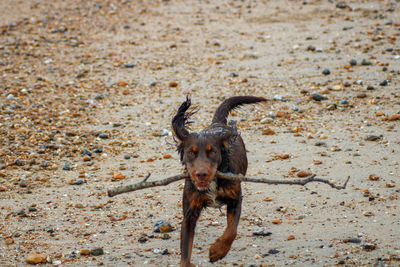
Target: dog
x,y
219,147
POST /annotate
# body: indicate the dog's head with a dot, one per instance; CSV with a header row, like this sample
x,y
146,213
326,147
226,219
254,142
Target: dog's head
x,y
201,153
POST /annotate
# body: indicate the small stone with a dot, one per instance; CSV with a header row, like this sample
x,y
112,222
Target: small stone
x,y
303,174
10,97
394,117
36,258
98,150
359,82
331,107
320,143
273,251
163,227
142,239
318,97
87,152
354,240
262,232
173,84
353,62
21,212
284,156
365,62
161,251
87,158
369,246
99,96
373,137
233,74
326,71
127,156
268,131
361,95
291,237
383,83
129,65
118,176
66,167
23,183
276,221
79,182
165,236
9,241
97,252
84,252
374,177
371,87
104,135
32,209
344,102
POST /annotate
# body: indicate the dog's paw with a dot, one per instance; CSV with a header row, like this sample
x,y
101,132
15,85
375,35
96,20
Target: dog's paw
x,y
218,250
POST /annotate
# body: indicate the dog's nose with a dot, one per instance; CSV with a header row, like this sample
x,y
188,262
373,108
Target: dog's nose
x,y
201,175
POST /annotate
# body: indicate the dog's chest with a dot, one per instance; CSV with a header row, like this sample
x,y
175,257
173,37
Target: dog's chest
x,y
212,194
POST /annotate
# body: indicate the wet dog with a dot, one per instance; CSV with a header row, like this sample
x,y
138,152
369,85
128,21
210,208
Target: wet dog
x,y
219,147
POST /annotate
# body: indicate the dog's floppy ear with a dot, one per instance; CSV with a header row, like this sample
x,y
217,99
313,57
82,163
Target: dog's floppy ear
x,y
181,120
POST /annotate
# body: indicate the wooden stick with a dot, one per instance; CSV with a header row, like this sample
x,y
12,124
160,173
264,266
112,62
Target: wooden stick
x,y
234,177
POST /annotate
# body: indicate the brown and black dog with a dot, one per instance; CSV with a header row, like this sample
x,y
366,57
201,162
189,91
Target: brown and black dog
x,y
218,147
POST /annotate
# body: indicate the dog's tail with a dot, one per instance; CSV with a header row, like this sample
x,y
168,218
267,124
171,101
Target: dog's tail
x,y
222,112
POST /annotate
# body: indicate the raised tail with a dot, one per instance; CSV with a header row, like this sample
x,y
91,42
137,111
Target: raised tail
x,y
222,112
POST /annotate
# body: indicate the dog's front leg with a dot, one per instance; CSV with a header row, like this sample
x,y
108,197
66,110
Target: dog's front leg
x,y
190,215
223,244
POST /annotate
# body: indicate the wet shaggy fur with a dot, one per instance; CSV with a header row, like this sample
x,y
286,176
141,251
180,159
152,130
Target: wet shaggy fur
x,y
219,147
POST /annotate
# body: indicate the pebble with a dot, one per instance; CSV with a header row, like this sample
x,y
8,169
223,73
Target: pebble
x,y
279,98
129,65
303,174
273,251
21,212
359,82
23,183
261,232
84,252
371,87
79,182
326,71
161,251
127,156
87,152
233,74
10,97
353,62
318,97
99,96
365,62
36,258
354,240
66,167
97,252
98,150
32,209
162,227
344,102
165,236
142,239
369,246
373,137
104,135
331,107
383,83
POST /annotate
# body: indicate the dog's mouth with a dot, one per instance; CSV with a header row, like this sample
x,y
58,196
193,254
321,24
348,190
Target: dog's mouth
x,y
202,185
